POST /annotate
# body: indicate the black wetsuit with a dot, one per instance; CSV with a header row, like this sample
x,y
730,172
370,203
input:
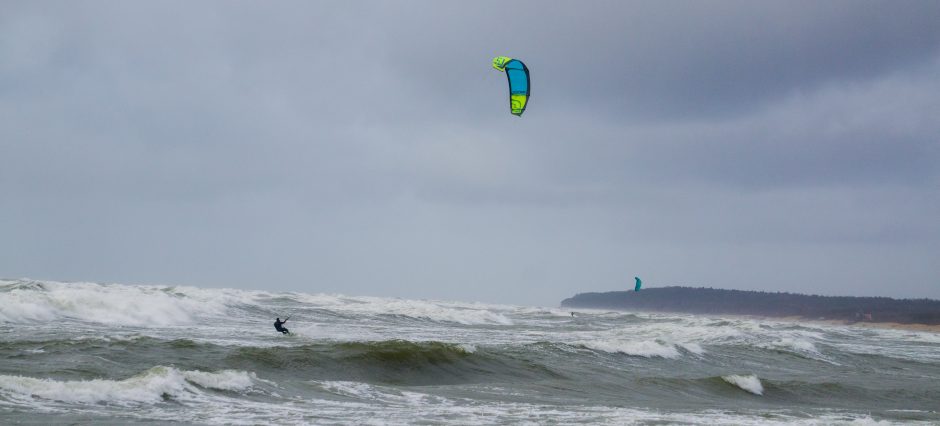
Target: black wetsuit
x,y
279,326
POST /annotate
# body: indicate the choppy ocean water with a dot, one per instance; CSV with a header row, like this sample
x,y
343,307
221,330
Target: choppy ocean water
x,y
119,354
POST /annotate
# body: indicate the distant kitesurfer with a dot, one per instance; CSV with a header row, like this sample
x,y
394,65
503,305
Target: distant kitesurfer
x,y
279,325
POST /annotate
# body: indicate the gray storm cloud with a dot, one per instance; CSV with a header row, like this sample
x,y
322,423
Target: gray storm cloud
x,y
368,149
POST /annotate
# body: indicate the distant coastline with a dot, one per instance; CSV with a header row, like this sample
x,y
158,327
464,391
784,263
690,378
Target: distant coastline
x,y
882,312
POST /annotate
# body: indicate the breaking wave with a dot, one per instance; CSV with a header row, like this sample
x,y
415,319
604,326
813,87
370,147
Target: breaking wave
x,y
644,348
749,383
441,311
27,301
153,386
31,301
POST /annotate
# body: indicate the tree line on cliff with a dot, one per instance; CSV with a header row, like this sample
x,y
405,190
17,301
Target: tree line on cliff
x,y
703,300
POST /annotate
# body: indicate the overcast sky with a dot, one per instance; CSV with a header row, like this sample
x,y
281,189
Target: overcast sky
x,y
366,148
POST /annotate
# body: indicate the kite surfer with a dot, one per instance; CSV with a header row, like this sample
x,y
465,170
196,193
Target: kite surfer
x,y
279,325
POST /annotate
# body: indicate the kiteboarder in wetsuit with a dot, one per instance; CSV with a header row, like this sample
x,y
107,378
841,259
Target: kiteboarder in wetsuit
x,y
279,325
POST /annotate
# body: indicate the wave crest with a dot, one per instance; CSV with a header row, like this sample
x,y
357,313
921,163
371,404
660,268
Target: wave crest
x,y
438,311
749,383
643,348
150,387
31,301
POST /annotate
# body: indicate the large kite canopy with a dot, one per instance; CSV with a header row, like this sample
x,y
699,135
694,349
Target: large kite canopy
x,y
518,76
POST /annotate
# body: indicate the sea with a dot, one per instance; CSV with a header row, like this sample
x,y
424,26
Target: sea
x,y
92,353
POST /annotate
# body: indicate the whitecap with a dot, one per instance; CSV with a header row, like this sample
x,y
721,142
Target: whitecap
x,y
797,344
461,313
229,380
694,348
748,383
149,387
109,303
374,393
643,348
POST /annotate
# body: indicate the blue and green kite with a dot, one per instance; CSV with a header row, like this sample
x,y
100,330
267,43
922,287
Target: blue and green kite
x,y
519,86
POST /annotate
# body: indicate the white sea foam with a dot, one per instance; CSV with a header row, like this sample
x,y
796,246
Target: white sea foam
x,y
795,344
749,383
378,405
372,393
149,387
695,348
230,380
109,303
542,311
351,389
689,334
644,348
662,340
904,335
461,313
736,331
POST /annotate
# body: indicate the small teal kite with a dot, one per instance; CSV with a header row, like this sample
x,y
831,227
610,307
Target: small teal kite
x,y
638,284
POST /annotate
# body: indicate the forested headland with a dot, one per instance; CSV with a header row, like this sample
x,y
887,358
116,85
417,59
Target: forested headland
x,y
738,302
